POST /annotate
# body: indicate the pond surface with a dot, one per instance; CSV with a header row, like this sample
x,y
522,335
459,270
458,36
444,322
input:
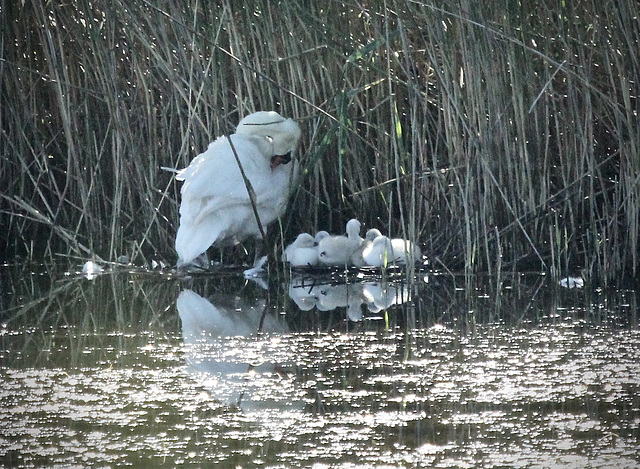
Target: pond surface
x,y
148,369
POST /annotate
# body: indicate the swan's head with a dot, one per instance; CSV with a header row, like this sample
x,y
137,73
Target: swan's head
x,y
381,242
282,134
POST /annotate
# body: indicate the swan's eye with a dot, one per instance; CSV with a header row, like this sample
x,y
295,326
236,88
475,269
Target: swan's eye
x,y
323,253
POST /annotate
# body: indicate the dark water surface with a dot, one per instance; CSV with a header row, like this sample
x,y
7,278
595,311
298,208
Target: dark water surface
x,y
149,369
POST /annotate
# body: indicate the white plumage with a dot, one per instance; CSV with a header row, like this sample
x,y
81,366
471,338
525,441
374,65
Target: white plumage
x,y
216,209
303,251
384,251
320,235
356,257
337,250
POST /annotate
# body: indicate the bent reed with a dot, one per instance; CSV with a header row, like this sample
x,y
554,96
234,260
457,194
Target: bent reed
x,y
499,136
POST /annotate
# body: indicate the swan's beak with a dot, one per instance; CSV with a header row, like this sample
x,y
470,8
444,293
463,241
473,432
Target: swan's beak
x,y
277,160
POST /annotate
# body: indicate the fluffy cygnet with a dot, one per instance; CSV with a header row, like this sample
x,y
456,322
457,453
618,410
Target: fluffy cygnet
x,y
356,257
337,250
384,251
320,235
303,251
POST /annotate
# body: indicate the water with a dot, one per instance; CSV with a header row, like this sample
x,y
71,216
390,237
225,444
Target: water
x,y
148,369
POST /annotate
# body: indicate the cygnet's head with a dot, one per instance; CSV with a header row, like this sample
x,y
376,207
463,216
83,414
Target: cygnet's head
x,y
372,234
353,228
283,134
382,242
305,240
320,235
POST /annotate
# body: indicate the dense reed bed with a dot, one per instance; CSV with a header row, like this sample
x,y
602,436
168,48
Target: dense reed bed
x,y
500,136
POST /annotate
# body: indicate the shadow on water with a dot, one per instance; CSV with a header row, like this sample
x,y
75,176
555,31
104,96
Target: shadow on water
x,y
138,368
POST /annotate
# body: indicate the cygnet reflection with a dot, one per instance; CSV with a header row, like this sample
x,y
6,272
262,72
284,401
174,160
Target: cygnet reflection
x,y
209,327
380,296
376,296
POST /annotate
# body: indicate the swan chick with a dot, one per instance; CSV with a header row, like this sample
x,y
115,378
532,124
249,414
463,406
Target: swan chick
x,y
357,257
320,235
302,252
337,250
384,251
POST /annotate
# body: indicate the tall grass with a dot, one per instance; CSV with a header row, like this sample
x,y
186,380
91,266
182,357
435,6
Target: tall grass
x,y
500,136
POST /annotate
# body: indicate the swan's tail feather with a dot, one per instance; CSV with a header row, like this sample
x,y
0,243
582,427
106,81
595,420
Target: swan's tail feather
x,y
192,241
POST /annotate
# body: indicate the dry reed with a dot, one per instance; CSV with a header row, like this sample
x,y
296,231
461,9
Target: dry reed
x,y
500,137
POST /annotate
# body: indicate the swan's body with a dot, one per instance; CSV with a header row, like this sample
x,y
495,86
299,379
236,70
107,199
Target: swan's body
x,y
337,250
216,209
303,251
384,251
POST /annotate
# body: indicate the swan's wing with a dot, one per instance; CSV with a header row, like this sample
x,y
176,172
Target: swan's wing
x,y
213,180
215,172
216,227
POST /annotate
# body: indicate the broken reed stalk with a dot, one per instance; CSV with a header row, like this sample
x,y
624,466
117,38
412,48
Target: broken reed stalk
x,y
250,191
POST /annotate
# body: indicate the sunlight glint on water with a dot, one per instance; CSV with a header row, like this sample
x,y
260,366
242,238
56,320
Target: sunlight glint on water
x,y
156,380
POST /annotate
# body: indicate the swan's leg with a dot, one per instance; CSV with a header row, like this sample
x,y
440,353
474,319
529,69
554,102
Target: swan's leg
x,y
258,262
202,261
258,251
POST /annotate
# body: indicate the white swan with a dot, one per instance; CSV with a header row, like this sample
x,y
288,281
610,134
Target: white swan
x,y
384,251
216,209
337,250
357,257
302,252
320,235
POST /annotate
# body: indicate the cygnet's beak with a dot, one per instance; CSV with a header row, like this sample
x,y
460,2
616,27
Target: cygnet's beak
x,y
277,160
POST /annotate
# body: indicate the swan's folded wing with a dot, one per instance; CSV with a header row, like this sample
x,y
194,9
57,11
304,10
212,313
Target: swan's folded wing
x,y
213,182
214,171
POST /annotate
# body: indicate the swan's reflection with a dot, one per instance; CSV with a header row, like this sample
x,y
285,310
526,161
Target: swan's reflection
x,y
310,293
217,352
